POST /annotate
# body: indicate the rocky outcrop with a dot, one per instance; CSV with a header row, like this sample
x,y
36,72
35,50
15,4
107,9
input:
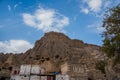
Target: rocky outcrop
x,y
55,49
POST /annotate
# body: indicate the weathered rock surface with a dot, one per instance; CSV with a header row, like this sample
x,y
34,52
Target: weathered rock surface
x,y
55,49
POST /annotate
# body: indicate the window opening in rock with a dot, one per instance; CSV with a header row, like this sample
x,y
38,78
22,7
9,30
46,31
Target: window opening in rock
x,y
57,56
10,68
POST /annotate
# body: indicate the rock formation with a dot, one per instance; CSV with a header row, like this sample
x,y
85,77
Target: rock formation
x,y
54,50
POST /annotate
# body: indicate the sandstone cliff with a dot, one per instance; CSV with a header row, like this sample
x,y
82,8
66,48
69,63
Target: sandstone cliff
x,y
52,50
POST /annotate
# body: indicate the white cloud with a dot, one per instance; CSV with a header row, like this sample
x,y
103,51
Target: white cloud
x,y
15,5
91,5
96,27
9,7
100,29
46,20
29,19
85,10
95,5
14,46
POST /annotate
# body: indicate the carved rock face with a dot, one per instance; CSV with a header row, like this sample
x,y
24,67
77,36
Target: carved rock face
x,y
56,48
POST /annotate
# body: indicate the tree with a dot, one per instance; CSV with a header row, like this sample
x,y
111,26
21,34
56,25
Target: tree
x,y
111,35
101,66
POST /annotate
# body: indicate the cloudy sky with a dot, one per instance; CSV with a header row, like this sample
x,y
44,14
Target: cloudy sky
x,y
22,22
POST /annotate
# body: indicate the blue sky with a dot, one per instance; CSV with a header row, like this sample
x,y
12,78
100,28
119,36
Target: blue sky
x,y
22,22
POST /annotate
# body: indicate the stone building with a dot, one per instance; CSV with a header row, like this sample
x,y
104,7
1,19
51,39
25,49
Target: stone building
x,y
35,72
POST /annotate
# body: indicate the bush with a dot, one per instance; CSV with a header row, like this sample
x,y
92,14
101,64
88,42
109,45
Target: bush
x,y
101,66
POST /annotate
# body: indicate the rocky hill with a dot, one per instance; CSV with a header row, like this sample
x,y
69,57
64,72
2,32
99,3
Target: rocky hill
x,y
58,47
51,50
52,46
